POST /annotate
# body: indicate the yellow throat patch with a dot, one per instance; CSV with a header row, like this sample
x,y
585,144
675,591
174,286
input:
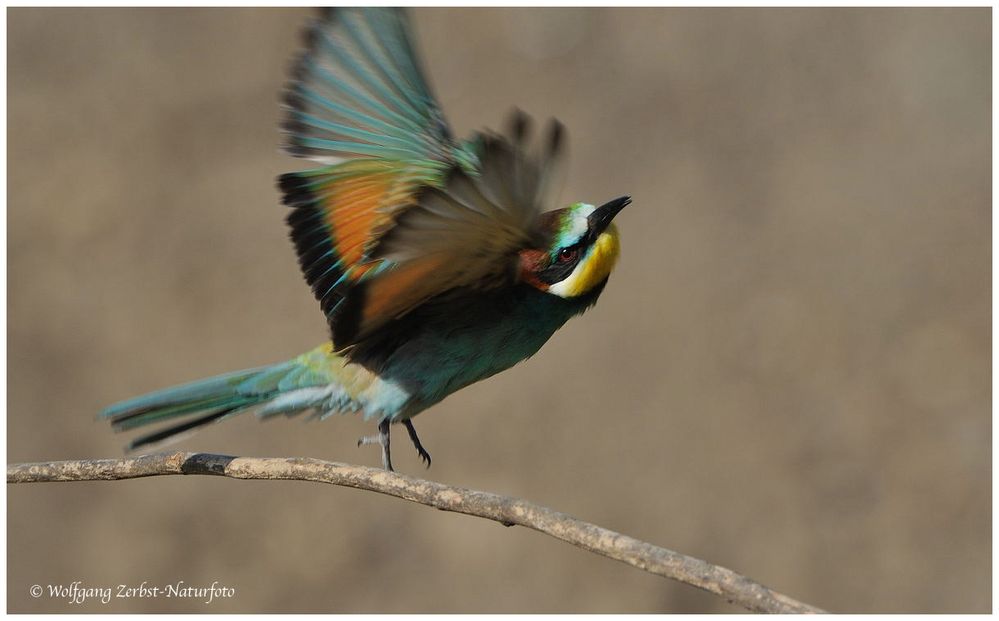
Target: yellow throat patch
x,y
593,268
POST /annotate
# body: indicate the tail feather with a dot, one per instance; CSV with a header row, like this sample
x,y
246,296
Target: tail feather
x,y
206,389
297,385
199,403
174,431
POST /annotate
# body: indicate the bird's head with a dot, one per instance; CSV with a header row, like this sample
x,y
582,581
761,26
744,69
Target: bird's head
x,y
581,246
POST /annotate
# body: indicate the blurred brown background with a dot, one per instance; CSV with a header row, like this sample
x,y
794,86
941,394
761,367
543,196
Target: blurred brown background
x,y
789,373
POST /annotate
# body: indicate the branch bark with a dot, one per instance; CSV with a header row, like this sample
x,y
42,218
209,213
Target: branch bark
x,y
734,587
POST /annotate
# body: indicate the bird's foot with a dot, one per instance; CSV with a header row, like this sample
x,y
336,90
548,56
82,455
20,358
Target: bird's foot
x,y
381,439
424,455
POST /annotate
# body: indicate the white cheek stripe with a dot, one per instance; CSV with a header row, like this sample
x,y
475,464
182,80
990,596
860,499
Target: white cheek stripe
x,y
566,286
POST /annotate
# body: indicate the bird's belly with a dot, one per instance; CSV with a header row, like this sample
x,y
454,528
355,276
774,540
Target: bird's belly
x,y
442,361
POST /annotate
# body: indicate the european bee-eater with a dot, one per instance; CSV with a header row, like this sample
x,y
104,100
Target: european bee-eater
x,y
433,259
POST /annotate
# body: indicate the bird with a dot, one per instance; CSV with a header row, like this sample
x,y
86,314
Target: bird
x,y
437,262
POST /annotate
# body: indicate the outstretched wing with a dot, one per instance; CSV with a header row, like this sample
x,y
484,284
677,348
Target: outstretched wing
x,y
466,233
357,91
401,212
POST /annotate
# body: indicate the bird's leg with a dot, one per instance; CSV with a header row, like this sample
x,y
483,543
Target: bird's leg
x,y
424,455
381,439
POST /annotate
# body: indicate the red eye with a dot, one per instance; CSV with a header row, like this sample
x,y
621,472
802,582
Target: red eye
x,y
566,255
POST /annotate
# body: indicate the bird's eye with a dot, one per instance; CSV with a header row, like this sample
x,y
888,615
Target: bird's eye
x,y
566,255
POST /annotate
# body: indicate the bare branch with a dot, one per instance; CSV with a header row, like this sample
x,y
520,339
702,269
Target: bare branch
x,y
735,588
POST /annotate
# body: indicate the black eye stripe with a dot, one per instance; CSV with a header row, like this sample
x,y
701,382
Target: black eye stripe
x,y
559,271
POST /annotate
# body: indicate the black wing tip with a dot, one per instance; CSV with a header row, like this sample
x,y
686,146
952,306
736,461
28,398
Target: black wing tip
x,y
313,27
292,128
327,13
313,240
292,98
556,138
517,133
519,125
293,125
315,247
298,68
296,190
298,71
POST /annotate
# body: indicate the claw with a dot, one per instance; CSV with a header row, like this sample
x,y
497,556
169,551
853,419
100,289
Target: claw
x,y
382,439
424,455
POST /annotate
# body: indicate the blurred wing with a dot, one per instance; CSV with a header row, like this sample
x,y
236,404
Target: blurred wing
x,y
358,103
466,234
357,91
400,212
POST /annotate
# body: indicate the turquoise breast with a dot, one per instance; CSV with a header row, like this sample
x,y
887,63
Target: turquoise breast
x,y
463,339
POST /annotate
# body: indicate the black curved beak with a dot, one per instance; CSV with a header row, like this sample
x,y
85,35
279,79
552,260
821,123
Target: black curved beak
x,y
602,215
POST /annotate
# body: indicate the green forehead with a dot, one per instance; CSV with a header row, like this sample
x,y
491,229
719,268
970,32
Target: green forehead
x,y
573,224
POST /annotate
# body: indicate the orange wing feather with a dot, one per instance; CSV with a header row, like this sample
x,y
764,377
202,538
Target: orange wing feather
x,y
393,292
359,202
340,214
